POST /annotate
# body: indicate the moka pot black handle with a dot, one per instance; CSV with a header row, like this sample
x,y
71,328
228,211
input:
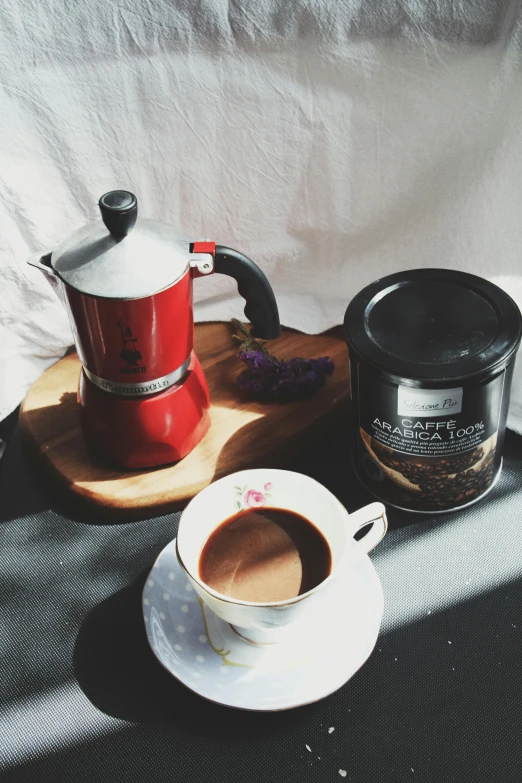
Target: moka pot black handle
x,y
252,284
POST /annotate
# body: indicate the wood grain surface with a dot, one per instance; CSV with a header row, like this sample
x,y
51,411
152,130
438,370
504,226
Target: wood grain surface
x,y
243,433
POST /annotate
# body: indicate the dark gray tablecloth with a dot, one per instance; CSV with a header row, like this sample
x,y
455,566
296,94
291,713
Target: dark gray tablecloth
x,y
82,697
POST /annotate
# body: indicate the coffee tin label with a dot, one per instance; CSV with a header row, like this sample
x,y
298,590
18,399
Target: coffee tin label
x,y
428,402
428,449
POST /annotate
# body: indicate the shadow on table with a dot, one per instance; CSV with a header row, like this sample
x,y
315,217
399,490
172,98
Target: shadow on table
x,y
27,490
440,694
120,675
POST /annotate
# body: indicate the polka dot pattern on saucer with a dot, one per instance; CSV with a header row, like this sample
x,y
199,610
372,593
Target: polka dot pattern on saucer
x,y
206,655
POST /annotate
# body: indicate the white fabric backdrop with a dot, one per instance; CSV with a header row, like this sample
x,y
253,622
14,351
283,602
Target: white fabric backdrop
x,y
333,142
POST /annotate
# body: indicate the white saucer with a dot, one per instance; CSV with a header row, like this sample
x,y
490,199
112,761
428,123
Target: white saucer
x,y
203,652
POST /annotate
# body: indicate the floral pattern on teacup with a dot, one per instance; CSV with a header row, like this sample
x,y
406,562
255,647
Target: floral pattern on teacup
x,y
252,498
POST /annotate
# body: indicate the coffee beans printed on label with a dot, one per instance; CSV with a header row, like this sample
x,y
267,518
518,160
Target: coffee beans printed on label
x,y
439,483
440,466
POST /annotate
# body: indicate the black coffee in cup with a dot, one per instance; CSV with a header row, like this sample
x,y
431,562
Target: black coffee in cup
x,y
264,555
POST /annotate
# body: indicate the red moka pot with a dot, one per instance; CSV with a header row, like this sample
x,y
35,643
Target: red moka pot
x,y
127,286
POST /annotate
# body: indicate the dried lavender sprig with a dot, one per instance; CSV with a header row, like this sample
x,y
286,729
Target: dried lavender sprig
x,y
273,378
247,342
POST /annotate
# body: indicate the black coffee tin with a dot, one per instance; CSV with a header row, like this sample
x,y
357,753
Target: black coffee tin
x,y
431,353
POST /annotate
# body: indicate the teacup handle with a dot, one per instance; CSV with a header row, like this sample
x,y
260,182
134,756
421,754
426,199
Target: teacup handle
x,y
376,513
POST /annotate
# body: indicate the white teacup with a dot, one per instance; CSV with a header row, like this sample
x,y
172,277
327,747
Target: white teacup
x,y
283,489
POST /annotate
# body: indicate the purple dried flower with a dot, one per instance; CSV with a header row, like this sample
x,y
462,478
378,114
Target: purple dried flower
x,y
282,378
268,377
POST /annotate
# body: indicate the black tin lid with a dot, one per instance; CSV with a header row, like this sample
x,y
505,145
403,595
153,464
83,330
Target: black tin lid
x,y
433,325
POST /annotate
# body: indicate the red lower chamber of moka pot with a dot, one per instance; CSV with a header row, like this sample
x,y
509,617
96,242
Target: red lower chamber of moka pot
x,y
143,432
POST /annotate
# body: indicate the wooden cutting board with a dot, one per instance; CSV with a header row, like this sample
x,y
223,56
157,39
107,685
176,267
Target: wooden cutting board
x,y
243,433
